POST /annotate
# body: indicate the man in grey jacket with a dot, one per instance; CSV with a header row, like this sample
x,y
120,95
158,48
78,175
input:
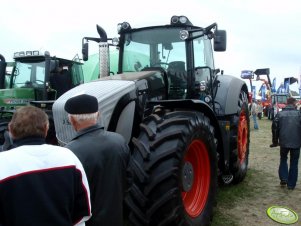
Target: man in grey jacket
x,y
104,156
286,132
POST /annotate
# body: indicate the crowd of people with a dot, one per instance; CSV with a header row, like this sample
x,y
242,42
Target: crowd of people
x,y
84,183
286,133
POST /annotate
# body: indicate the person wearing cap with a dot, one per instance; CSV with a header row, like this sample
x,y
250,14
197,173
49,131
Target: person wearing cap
x,y
286,132
40,184
105,157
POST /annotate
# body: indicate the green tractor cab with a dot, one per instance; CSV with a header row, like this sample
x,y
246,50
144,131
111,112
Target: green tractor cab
x,y
35,78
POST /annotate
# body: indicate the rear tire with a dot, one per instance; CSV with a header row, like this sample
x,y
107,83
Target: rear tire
x,y
240,140
174,163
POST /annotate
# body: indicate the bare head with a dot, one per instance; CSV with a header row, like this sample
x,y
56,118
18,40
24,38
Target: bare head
x,y
291,101
29,121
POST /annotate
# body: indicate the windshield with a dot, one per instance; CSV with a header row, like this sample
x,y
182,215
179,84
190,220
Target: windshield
x,y
162,47
281,99
153,48
29,74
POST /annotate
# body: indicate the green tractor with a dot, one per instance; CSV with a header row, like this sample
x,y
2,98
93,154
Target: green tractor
x,y
187,125
38,79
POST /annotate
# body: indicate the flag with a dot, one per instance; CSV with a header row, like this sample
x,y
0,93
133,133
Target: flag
x,y
274,85
286,85
254,92
280,88
263,88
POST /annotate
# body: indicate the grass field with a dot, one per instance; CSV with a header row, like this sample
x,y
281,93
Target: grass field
x,y
245,204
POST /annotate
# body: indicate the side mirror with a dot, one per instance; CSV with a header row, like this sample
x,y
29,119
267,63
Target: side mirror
x,y
220,40
85,51
246,74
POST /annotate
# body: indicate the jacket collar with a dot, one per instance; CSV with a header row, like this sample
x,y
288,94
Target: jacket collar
x,y
290,107
29,141
87,130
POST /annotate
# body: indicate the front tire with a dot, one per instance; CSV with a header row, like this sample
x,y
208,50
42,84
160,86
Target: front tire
x,y
174,163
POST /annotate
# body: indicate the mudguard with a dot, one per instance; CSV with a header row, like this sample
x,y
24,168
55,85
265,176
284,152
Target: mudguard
x,y
228,94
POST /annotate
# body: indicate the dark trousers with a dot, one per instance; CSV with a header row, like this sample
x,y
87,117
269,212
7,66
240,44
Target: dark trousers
x,y
289,173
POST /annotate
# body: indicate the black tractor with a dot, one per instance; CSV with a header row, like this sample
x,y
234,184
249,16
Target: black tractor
x,y
187,125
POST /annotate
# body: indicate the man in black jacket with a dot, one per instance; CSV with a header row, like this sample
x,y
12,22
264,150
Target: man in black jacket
x,y
286,128
105,157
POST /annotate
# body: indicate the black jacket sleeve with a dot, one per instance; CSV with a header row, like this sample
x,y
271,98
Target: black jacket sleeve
x,y
275,130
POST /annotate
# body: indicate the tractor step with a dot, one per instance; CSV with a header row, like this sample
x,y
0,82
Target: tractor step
x,y
227,179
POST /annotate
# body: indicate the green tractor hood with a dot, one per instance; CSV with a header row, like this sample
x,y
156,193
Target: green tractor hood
x,y
10,99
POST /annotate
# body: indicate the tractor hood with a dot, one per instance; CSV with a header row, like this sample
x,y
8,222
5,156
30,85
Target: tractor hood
x,y
12,98
107,90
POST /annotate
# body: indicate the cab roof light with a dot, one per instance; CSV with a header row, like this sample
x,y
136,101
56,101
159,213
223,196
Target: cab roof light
x,y
184,35
180,20
26,53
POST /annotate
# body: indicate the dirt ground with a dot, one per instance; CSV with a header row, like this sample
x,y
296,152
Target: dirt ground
x,y
264,183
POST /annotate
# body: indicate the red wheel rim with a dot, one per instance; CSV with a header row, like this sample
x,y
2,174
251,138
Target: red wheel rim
x,y
242,137
195,199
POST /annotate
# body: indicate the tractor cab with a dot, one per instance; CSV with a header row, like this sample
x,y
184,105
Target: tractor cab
x,y
181,51
38,77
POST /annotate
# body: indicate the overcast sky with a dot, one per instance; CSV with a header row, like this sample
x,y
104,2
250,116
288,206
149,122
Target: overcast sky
x,y
260,33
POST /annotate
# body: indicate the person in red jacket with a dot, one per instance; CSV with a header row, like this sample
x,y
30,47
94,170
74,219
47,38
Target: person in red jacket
x,y
40,184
